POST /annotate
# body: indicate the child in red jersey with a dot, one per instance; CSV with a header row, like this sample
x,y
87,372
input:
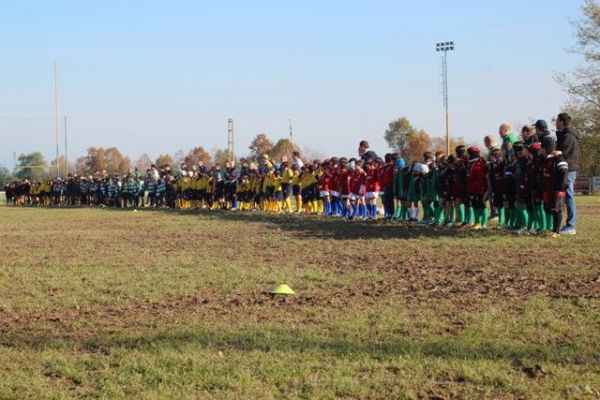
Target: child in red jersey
x,y
372,188
358,187
343,178
324,184
477,187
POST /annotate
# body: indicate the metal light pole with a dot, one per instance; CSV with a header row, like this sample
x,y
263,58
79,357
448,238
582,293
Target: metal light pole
x,y
445,47
56,116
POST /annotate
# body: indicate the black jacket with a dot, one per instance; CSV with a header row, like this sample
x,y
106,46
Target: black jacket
x,y
567,141
369,155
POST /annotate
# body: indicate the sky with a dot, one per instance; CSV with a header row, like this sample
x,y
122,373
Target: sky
x,y
159,76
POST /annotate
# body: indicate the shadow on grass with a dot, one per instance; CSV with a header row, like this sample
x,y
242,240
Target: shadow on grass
x,y
312,226
299,341
337,228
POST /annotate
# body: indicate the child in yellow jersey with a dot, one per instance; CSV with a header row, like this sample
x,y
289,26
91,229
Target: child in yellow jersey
x,y
278,198
287,175
296,187
268,189
308,183
201,186
253,188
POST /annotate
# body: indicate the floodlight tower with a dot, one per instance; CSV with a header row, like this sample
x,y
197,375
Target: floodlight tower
x,y
445,47
291,132
230,139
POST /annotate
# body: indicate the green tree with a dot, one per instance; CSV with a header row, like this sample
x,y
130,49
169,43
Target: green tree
x,y
583,85
165,160
398,133
196,155
31,166
221,156
283,147
5,176
417,143
261,144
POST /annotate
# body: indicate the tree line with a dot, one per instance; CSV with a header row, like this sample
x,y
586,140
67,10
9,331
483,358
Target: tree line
x,y
112,160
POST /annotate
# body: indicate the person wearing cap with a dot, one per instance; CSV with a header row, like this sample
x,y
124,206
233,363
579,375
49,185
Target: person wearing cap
x,y
555,184
567,145
541,129
508,138
477,187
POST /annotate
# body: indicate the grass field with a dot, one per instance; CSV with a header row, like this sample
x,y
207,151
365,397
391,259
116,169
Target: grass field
x,y
116,304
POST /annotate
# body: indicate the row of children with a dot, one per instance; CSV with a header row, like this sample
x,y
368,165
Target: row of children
x,y
522,183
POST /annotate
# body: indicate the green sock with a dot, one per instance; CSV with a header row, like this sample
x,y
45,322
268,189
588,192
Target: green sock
x,y
476,215
549,221
512,222
398,212
439,214
501,216
471,214
530,222
461,214
522,217
483,218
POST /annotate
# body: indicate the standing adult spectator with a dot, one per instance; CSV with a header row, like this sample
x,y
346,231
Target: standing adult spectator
x,y
365,152
490,145
567,143
529,136
508,138
541,129
297,160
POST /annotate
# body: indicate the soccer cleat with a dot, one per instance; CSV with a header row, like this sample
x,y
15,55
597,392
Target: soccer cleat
x,y
476,227
554,235
568,231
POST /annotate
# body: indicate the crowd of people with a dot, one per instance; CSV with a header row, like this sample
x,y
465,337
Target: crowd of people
x,y
524,183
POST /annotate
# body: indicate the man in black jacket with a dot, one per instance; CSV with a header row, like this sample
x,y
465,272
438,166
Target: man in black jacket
x,y
364,152
567,144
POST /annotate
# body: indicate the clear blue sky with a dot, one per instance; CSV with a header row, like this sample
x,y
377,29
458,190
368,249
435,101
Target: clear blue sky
x,y
159,76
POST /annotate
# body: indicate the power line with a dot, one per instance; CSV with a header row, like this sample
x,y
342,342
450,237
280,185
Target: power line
x,y
25,118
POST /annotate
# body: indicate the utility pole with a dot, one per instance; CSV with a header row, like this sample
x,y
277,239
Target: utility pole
x,y
56,116
66,154
230,152
291,132
445,47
